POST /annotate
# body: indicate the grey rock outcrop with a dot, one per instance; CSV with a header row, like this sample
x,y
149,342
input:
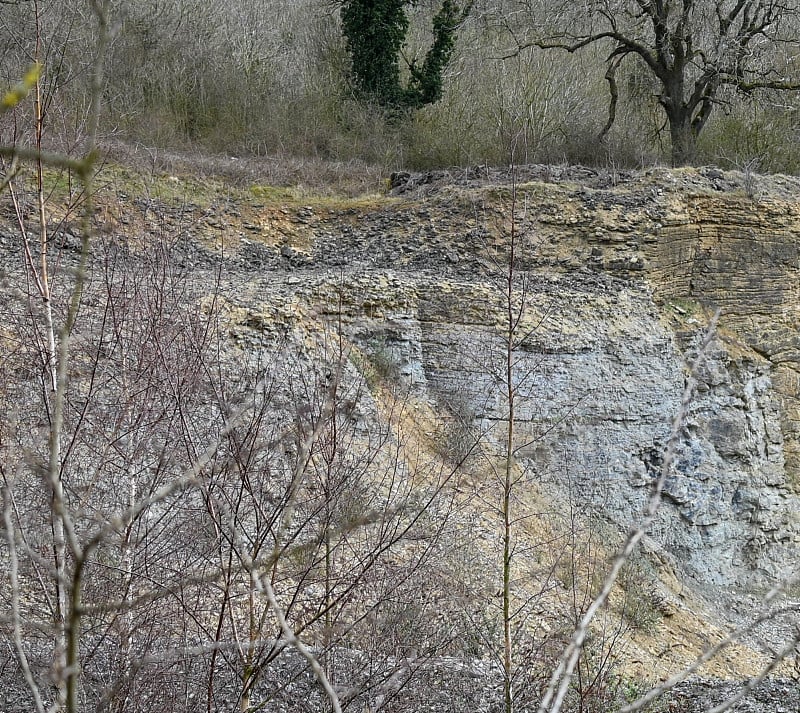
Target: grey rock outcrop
x,y
622,272
622,281
600,382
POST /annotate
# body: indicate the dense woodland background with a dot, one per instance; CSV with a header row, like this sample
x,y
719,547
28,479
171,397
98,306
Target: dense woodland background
x,y
272,79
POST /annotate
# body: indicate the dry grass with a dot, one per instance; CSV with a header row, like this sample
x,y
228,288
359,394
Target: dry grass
x,y
311,176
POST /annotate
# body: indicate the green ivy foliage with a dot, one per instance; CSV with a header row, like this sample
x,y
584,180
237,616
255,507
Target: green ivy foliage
x,y
375,31
426,82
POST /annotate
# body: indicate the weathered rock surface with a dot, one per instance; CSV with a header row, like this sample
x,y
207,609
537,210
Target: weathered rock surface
x,y
622,274
617,275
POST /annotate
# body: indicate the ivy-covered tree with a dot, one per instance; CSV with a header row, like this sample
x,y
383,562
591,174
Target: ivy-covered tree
x,y
425,86
375,31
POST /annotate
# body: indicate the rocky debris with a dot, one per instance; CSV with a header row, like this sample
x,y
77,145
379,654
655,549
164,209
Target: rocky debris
x,y
738,608
657,179
775,695
365,682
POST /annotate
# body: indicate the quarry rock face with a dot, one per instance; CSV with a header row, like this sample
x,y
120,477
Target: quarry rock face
x,y
598,414
651,323
620,283
616,278
600,383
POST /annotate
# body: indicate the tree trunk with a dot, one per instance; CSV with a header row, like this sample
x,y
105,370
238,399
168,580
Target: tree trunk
x,y
683,138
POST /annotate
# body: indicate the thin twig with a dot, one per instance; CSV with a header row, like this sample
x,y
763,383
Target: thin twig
x,y
300,646
13,575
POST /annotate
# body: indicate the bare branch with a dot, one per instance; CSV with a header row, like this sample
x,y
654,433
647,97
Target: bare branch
x,y
13,575
299,645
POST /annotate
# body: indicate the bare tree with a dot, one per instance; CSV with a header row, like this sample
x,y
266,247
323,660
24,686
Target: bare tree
x,y
528,568
308,540
187,517
696,52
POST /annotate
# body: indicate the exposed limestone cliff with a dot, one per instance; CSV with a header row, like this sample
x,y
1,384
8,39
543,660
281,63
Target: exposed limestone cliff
x,y
623,273
619,276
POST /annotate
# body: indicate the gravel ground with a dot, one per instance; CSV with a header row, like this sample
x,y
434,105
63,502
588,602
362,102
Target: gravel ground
x,y
442,685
